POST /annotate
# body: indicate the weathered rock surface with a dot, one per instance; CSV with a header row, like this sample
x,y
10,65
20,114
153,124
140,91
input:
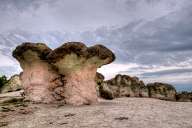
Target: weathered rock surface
x,y
124,86
64,74
38,75
99,78
14,84
11,98
117,113
106,92
162,91
102,88
184,97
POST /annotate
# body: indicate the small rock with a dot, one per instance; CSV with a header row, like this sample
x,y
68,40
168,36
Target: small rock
x,y
121,118
184,97
63,123
68,115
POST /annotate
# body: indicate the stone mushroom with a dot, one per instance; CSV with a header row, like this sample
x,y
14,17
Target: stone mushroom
x,y
37,74
78,64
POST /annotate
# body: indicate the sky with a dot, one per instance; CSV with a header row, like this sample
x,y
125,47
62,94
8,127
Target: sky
x,y
152,39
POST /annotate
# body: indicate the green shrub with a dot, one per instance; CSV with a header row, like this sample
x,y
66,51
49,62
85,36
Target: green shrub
x,y
3,80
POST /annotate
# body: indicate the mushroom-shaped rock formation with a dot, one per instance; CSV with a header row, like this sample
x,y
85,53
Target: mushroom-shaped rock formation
x,y
38,75
78,64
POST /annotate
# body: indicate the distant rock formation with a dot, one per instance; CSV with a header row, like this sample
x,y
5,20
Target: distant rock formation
x,y
14,84
184,97
123,86
162,91
126,86
66,74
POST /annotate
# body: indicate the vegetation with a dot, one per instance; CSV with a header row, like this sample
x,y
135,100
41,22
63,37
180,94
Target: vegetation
x,y
3,80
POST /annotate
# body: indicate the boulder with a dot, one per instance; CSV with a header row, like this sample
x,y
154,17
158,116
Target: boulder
x,y
105,92
184,97
65,74
13,84
102,89
162,91
99,78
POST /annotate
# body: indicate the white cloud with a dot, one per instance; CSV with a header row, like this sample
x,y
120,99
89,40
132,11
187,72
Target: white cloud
x,y
182,74
179,78
6,61
113,69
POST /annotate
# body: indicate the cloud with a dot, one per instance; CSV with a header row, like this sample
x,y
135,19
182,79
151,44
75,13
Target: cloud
x,y
149,37
113,69
167,72
6,61
8,66
65,15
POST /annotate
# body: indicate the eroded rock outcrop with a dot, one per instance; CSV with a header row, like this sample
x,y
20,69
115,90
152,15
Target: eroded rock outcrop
x,y
14,84
105,91
64,74
124,86
162,91
99,78
102,88
184,96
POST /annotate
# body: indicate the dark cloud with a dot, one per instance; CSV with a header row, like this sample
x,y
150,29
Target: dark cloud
x,y
166,72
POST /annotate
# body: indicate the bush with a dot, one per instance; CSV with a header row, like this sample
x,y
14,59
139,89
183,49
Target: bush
x,y
3,80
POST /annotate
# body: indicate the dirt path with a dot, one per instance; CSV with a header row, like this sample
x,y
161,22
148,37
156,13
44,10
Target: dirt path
x,y
118,113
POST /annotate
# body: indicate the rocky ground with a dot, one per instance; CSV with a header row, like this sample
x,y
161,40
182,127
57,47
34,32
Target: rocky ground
x,y
117,113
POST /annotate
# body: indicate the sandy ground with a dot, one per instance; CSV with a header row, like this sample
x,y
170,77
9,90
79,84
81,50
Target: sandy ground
x,y
118,113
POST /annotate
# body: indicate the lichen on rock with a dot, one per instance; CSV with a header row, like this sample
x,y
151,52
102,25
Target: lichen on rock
x,y
79,64
37,74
